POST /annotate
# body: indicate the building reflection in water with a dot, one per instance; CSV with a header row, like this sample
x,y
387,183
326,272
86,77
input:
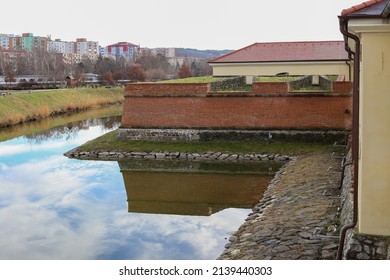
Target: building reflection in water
x,y
193,188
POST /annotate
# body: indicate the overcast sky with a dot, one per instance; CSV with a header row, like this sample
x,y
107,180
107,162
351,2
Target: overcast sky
x,y
201,24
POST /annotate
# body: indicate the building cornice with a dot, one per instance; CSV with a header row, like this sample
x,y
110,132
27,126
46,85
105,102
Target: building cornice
x,y
277,63
369,25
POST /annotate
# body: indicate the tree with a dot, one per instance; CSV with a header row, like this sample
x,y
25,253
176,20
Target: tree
x,y
156,74
105,65
108,78
10,76
137,73
184,71
118,75
200,68
158,61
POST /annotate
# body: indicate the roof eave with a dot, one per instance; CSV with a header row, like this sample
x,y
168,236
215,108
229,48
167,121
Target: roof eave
x,y
280,61
359,16
386,11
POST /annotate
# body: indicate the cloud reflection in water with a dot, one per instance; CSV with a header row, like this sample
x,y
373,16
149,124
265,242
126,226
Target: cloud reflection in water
x,y
52,207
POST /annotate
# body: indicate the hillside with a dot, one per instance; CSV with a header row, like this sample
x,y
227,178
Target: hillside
x,y
201,54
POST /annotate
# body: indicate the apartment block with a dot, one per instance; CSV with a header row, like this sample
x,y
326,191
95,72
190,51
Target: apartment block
x,y
5,41
82,46
29,42
123,49
57,46
167,52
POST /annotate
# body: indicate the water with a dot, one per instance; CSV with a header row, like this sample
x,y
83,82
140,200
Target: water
x,y
52,207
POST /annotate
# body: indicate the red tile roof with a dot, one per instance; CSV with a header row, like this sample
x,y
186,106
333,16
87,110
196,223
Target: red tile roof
x,y
359,7
287,52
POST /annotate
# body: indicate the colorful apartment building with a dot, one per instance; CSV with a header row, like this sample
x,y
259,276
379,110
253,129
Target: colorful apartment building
x,y
123,49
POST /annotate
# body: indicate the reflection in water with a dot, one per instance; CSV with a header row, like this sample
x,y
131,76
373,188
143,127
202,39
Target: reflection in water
x,y
192,188
52,207
43,125
71,130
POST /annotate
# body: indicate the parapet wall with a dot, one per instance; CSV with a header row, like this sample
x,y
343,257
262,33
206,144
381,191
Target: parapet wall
x,y
163,89
267,106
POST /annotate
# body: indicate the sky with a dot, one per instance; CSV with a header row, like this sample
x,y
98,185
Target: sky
x,y
200,24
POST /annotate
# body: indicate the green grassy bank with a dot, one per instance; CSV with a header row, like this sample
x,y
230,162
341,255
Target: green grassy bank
x,y
109,142
22,107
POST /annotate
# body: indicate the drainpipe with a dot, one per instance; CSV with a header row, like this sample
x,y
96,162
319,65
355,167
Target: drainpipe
x,y
355,127
349,71
351,55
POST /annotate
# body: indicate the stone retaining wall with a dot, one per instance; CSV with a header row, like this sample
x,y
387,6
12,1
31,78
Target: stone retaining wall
x,y
358,246
207,156
228,84
172,135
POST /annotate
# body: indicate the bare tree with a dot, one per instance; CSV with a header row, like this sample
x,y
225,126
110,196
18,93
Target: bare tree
x,y
156,74
201,68
137,73
108,78
184,71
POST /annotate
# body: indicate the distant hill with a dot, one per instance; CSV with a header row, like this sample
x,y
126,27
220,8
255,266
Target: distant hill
x,y
202,54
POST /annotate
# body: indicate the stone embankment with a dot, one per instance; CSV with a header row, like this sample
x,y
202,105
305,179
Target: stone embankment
x,y
116,155
298,216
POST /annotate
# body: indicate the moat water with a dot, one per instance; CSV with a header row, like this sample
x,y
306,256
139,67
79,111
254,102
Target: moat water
x,y
52,207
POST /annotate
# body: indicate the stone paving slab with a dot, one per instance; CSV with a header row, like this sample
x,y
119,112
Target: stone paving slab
x,y
298,216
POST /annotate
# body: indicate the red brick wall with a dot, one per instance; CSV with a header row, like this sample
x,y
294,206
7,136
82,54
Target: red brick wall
x,y
270,87
160,89
244,112
342,87
282,87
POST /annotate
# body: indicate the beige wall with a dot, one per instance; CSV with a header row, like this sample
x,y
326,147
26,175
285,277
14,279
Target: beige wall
x,y
256,69
374,162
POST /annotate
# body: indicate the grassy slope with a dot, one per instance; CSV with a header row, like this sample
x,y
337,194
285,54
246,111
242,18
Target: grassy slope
x,y
108,142
18,108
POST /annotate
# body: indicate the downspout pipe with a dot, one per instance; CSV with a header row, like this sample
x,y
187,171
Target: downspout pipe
x,y
355,127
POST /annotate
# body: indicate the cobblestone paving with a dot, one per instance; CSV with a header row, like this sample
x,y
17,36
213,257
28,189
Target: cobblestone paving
x,y
297,218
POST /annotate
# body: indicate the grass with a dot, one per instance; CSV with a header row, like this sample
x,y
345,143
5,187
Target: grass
x,y
22,107
109,142
275,79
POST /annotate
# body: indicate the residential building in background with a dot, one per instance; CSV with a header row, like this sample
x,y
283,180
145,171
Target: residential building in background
x,y
28,42
123,49
167,52
4,41
58,46
14,43
82,46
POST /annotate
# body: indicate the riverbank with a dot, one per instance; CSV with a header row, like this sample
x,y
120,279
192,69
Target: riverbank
x,y
24,107
109,144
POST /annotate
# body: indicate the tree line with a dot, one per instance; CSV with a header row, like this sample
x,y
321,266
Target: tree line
x,y
146,67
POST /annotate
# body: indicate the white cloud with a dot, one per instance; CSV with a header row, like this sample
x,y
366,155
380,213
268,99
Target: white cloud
x,y
58,208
